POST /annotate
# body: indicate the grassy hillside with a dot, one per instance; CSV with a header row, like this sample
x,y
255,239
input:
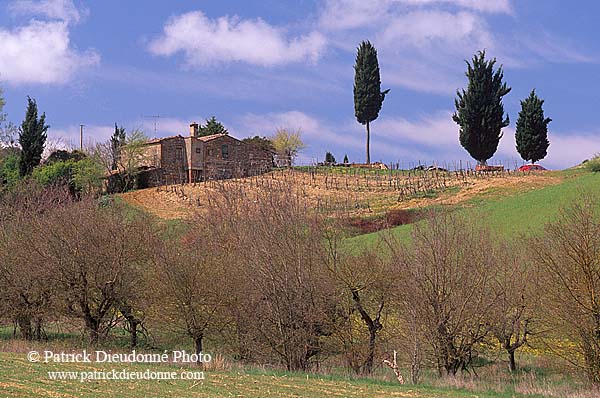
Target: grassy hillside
x,y
19,378
521,212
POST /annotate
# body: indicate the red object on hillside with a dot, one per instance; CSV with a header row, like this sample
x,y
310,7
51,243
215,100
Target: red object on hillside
x,y
532,167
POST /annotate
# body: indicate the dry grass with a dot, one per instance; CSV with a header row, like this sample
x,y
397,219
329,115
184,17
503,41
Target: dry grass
x,y
350,195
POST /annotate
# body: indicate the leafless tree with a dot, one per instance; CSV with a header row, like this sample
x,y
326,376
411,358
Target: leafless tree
x,y
445,277
190,274
281,264
26,295
569,254
96,256
368,282
515,316
131,156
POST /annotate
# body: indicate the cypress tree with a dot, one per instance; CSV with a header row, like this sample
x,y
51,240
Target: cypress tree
x,y
116,142
32,138
532,129
367,85
479,109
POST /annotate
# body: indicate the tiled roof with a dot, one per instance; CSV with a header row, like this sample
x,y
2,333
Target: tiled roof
x,y
203,138
211,137
155,140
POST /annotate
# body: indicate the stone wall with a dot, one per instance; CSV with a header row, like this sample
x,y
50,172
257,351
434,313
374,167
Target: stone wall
x,y
226,157
173,161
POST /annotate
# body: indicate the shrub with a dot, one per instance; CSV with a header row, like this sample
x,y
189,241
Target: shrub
x,y
9,170
87,176
60,172
593,164
62,155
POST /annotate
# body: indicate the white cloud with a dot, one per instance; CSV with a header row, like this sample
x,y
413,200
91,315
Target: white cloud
x,y
420,76
566,148
207,41
317,134
554,49
41,52
424,50
352,14
426,28
421,43
490,6
311,127
63,10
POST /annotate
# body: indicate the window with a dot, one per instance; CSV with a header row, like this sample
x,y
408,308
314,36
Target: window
x,y
198,150
225,151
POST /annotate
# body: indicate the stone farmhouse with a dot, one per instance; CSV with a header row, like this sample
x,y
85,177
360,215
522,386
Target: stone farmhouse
x,y
179,159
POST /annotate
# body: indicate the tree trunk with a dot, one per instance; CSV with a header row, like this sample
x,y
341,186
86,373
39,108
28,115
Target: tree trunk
x,y
198,346
38,329
368,368
133,332
24,322
368,141
93,326
373,325
132,323
512,365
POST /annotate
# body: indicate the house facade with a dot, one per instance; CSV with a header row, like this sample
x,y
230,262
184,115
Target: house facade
x,y
179,159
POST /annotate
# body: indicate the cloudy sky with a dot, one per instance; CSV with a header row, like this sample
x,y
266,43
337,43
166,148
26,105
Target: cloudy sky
x,y
260,65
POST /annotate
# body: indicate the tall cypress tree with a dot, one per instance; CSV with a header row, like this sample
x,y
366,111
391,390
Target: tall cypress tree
x,y
479,109
368,96
116,142
532,129
32,138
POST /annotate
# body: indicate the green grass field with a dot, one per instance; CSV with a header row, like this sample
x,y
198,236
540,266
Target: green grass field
x,y
511,215
20,378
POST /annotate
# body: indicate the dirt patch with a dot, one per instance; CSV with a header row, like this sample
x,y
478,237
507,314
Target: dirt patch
x,y
157,203
392,218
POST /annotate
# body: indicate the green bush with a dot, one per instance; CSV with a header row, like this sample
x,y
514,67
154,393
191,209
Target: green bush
x,y
593,164
87,176
60,172
9,170
83,176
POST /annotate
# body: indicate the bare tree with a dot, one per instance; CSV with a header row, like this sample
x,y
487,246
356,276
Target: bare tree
x,y
445,278
368,282
569,254
122,163
191,286
26,295
96,256
280,265
514,317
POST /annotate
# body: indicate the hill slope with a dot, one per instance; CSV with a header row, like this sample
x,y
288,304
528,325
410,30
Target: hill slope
x,y
520,212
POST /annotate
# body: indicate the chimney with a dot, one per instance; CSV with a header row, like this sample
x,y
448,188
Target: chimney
x,y
194,129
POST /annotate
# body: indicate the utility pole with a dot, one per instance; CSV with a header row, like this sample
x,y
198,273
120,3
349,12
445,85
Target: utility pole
x,y
81,136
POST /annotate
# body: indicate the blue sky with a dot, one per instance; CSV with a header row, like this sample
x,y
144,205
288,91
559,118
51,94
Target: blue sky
x,y
260,65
